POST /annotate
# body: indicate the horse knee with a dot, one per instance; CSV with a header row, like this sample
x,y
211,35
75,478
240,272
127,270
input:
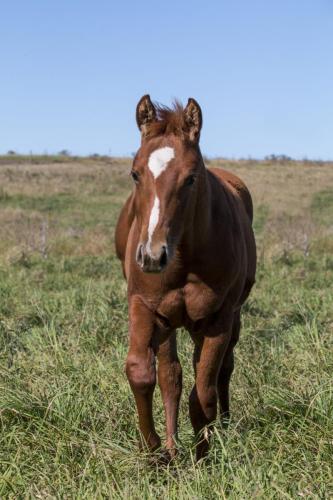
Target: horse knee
x,y
140,373
203,406
208,400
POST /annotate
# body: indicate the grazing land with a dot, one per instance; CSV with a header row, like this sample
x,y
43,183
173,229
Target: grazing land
x,y
67,416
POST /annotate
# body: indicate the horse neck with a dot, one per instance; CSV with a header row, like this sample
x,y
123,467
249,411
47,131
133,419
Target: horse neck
x,y
199,217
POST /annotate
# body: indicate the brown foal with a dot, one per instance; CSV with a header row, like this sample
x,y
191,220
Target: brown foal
x,y
185,240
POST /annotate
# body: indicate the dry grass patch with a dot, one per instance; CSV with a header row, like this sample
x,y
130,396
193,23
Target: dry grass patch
x,y
67,418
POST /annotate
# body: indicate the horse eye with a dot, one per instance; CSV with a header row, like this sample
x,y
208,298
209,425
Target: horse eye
x,y
190,180
135,176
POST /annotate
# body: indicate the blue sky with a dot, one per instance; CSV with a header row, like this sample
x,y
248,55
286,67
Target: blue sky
x,y
72,72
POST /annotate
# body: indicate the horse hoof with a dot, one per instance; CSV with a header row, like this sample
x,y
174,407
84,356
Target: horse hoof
x,y
162,457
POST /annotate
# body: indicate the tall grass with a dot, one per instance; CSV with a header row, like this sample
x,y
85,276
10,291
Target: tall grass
x,y
68,422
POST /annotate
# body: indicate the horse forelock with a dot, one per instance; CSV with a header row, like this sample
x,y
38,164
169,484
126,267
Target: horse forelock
x,y
169,121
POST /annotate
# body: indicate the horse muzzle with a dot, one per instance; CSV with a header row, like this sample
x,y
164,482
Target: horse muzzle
x,y
152,261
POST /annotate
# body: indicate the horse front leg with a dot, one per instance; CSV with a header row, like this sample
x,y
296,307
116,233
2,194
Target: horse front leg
x,y
170,382
209,354
141,370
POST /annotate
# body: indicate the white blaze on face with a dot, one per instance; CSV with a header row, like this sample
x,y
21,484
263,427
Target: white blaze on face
x,y
157,163
153,220
159,159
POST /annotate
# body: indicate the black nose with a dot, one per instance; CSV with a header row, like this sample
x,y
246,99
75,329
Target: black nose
x,y
163,257
152,262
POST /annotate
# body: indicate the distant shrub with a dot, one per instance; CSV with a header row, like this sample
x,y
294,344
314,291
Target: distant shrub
x,y
64,152
278,158
11,152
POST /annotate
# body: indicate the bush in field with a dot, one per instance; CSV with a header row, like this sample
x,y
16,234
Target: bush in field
x,y
64,152
278,158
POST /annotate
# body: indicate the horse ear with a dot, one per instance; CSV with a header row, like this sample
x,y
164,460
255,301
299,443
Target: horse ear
x,y
193,120
145,113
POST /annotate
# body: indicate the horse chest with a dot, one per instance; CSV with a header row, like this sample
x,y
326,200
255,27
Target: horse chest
x,y
194,301
200,300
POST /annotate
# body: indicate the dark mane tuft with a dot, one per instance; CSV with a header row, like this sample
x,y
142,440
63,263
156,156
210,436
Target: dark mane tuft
x,y
169,120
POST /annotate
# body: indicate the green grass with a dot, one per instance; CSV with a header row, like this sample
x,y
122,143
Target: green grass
x,y
67,417
322,206
260,218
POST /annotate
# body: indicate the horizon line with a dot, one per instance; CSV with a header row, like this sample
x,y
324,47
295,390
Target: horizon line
x,y
68,154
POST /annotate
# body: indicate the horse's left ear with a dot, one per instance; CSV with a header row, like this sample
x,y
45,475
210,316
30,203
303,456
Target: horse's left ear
x,y
193,120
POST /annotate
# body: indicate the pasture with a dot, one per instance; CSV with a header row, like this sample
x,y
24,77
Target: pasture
x,y
67,415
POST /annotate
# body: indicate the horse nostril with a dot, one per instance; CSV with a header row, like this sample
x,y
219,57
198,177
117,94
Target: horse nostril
x,y
139,255
164,257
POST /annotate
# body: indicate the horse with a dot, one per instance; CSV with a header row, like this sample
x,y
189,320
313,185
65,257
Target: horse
x,y
185,240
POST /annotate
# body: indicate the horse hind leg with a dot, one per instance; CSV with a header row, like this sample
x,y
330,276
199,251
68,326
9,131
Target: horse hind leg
x,y
227,367
203,399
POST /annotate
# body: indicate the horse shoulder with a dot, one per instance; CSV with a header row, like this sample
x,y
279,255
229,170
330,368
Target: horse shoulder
x,y
123,227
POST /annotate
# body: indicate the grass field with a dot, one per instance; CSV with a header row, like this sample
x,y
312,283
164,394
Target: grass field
x,y
67,416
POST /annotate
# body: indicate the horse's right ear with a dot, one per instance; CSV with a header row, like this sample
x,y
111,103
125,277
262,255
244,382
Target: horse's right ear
x,y
145,113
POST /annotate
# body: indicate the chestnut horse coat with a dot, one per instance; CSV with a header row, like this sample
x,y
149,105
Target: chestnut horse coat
x,y
195,269
194,286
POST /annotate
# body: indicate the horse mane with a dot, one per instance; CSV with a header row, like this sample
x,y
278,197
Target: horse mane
x,y
168,120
